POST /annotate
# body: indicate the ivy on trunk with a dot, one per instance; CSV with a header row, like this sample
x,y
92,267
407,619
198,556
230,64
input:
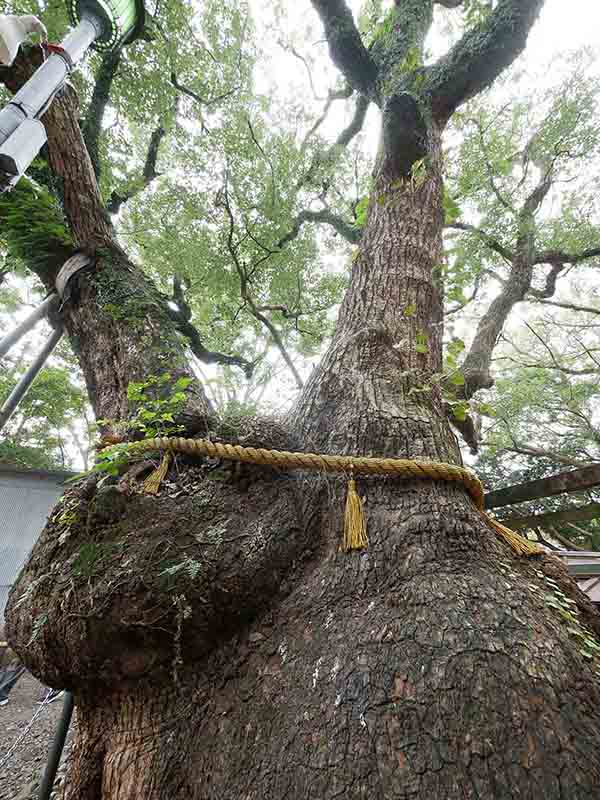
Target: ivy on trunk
x,y
217,642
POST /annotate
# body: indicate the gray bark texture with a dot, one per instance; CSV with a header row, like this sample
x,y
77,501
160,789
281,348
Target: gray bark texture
x,y
218,643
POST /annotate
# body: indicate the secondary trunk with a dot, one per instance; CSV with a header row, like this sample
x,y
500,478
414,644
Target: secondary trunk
x,y
117,322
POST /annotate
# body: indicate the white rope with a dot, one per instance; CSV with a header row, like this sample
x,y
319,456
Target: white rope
x,y
20,738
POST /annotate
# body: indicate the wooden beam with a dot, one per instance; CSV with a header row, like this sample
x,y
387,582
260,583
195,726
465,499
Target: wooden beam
x,y
573,481
566,542
591,511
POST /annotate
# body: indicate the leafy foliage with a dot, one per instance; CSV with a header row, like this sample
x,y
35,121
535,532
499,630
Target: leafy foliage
x,y
33,229
240,156
157,401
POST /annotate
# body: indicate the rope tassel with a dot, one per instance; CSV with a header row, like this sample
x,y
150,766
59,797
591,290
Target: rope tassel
x,y
355,528
154,480
521,545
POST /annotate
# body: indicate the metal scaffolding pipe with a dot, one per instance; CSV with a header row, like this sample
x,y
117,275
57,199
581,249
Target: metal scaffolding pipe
x,y
39,90
22,387
36,315
57,748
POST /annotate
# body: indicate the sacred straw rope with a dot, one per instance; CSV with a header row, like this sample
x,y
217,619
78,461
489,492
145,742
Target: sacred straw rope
x,y
355,533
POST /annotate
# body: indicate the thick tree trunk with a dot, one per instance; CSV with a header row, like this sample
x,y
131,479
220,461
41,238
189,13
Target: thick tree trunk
x,y
117,322
120,331
372,392
221,646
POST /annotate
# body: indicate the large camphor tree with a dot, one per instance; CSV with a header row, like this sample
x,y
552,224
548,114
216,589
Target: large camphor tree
x,y
217,642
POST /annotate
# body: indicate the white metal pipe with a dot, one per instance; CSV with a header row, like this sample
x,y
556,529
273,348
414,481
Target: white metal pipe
x,y
10,119
35,95
19,150
78,41
22,387
28,323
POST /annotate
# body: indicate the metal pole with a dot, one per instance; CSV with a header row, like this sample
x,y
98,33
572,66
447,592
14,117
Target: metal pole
x,y
20,390
13,337
35,95
57,748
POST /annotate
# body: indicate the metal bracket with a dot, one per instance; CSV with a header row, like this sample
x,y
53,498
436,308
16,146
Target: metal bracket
x,y
70,268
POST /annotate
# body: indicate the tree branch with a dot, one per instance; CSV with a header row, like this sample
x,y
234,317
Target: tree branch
x,y
554,256
341,94
550,285
198,98
538,452
148,175
474,293
355,124
185,327
477,362
267,159
92,125
301,58
480,56
490,241
567,542
244,291
569,306
345,229
343,140
345,46
476,365
490,171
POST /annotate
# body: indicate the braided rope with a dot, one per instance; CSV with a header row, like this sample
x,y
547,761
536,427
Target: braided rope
x,y
363,465
348,465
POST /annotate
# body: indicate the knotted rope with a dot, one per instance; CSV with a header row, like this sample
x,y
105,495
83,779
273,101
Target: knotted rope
x,y
354,528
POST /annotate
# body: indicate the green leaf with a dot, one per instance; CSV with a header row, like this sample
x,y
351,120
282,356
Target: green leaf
x,y
421,345
457,378
486,410
460,410
360,211
451,209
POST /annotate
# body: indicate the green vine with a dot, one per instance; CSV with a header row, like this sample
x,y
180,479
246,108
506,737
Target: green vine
x,y
567,610
34,228
156,403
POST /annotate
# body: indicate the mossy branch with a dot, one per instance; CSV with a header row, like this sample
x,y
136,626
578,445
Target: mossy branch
x,y
345,46
481,55
34,228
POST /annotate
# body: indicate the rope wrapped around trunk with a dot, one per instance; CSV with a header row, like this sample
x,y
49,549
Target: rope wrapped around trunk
x,y
354,528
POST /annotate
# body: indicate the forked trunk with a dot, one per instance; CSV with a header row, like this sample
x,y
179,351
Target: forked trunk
x,y
221,646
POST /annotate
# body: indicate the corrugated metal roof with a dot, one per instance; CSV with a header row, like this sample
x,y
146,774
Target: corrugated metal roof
x,y
591,586
581,562
26,499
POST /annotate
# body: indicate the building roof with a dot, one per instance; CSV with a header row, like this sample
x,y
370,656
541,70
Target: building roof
x,y
581,562
54,475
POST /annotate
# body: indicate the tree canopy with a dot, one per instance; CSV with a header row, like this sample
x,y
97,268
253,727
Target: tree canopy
x,y
253,247
242,196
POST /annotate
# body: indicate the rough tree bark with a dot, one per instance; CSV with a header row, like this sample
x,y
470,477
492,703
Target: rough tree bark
x,y
116,322
218,643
